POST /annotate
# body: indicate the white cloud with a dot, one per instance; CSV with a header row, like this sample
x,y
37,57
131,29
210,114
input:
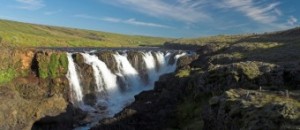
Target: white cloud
x,y
52,12
110,19
188,11
135,22
131,21
86,17
266,13
30,4
278,12
292,21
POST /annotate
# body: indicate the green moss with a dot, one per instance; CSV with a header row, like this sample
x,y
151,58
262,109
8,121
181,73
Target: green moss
x,y
63,61
52,66
251,70
183,73
43,62
7,75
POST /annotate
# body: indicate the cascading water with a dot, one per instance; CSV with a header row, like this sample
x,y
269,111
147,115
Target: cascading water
x,y
74,82
161,61
126,71
116,95
151,67
173,67
105,79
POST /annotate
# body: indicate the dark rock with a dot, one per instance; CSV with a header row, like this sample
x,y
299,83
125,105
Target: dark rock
x,y
185,61
136,60
246,109
86,75
151,110
108,58
67,120
90,99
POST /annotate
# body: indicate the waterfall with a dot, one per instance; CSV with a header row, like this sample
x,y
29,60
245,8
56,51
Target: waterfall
x,y
163,64
151,67
173,67
161,60
74,82
105,79
118,95
126,71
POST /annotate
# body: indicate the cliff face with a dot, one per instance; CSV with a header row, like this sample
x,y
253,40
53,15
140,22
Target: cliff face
x,y
38,95
34,86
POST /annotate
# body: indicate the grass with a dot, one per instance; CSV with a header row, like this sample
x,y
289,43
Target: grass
x,y
31,35
7,75
183,73
52,66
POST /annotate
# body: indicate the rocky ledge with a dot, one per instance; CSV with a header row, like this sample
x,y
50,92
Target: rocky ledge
x,y
238,94
254,110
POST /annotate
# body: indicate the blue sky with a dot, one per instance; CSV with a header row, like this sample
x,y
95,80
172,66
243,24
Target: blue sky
x,y
166,18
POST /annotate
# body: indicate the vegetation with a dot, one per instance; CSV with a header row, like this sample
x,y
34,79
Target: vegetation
x,y
7,75
253,109
183,73
275,47
11,65
52,66
19,34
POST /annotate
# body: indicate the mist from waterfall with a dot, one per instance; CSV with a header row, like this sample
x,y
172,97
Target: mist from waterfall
x,y
120,86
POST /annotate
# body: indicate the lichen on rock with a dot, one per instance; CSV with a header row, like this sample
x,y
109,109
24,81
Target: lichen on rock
x,y
249,109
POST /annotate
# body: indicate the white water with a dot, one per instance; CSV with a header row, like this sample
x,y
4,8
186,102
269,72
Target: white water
x,y
106,81
173,67
74,82
163,63
127,72
161,60
151,67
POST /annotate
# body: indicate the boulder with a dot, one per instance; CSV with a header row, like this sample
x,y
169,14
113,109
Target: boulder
x,y
249,109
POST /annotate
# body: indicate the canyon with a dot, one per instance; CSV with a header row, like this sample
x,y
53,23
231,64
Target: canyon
x,y
81,87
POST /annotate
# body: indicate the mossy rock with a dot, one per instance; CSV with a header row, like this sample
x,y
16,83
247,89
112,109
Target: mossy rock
x,y
249,109
14,63
183,73
108,58
52,64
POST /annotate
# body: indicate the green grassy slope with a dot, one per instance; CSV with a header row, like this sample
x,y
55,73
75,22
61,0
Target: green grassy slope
x,y
31,35
281,36
281,46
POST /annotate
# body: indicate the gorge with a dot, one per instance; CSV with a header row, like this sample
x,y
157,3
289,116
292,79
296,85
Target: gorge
x,y
100,83
116,82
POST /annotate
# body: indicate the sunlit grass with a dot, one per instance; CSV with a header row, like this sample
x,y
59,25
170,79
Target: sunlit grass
x,y
30,35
